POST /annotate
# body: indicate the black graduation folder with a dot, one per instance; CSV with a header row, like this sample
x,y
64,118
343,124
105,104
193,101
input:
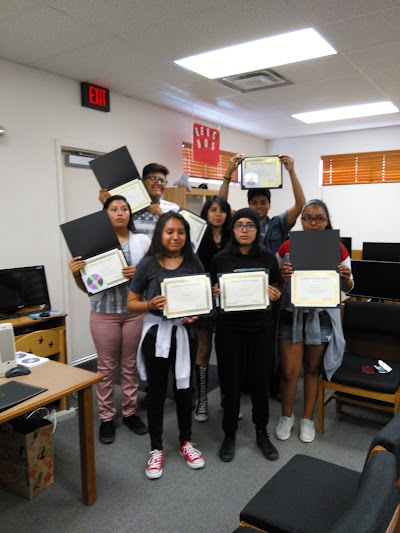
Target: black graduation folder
x,y
90,235
314,250
14,392
114,169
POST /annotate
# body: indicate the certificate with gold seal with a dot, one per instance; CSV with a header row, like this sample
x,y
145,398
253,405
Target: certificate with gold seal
x,y
244,291
261,172
315,288
187,296
135,193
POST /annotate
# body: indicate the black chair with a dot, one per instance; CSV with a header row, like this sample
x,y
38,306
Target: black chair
x,y
312,496
372,332
309,495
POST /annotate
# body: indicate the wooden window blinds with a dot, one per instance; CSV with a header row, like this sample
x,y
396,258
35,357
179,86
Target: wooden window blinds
x,y
367,167
202,170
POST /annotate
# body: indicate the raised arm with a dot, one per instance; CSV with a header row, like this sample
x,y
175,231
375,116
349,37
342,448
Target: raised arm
x,y
299,199
232,166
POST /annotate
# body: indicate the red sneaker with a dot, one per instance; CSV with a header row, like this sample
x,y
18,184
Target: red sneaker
x,y
193,457
154,468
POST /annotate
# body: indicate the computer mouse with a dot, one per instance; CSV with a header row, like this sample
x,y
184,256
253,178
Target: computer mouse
x,y
17,371
44,314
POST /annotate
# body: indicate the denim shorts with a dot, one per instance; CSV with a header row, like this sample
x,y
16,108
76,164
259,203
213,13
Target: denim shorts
x,y
285,326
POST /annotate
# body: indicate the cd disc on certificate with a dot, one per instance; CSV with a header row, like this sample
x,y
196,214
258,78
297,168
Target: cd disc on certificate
x,y
94,282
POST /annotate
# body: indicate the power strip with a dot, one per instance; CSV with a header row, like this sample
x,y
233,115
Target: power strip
x,y
61,415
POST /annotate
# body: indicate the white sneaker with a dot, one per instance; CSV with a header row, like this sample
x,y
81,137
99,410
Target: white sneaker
x,y
307,430
284,427
154,468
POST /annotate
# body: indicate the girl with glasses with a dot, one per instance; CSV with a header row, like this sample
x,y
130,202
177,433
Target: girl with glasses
x,y
308,337
244,339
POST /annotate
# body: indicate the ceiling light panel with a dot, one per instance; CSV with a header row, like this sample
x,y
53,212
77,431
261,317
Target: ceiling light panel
x,y
262,53
342,113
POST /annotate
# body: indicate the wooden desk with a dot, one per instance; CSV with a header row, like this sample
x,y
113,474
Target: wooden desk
x,y
61,380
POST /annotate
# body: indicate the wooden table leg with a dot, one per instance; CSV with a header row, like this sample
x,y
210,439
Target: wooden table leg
x,y
86,438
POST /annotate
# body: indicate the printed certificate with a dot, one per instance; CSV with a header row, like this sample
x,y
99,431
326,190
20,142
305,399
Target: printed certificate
x,y
135,193
187,296
315,288
197,227
104,271
244,291
260,172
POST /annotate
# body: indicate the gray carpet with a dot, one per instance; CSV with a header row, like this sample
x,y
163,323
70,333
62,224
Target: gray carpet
x,y
183,500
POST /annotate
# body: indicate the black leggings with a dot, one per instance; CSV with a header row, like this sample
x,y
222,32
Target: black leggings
x,y
158,369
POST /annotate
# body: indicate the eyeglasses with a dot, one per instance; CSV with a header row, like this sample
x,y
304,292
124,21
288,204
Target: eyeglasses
x,y
318,219
250,227
156,179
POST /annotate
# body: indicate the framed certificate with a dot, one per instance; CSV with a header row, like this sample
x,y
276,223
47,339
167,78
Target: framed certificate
x,y
187,296
244,291
261,172
104,271
135,193
315,288
197,227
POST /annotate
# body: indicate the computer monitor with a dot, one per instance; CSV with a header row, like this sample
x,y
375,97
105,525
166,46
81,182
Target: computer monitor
x,y
379,280
381,251
346,241
23,287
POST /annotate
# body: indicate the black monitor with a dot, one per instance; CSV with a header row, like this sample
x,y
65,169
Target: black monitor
x,y
381,251
23,287
346,241
379,280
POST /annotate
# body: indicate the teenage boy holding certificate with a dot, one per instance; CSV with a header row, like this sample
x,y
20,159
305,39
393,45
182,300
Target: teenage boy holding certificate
x,y
244,339
312,337
154,177
273,230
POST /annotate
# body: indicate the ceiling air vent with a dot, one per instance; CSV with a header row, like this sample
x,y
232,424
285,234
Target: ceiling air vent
x,y
255,81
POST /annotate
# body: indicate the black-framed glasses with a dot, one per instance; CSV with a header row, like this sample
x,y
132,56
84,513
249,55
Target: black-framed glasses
x,y
319,219
156,179
249,227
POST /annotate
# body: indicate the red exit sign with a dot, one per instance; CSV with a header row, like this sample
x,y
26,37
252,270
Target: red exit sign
x,y
95,97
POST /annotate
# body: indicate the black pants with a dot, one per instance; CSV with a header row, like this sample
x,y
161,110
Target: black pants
x,y
240,353
158,369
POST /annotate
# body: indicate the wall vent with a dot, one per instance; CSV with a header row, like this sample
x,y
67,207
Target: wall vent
x,y
257,80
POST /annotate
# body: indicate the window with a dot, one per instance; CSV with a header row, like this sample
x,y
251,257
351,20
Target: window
x,y
367,167
202,170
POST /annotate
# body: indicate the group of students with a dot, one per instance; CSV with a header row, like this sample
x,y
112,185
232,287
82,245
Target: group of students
x,y
130,331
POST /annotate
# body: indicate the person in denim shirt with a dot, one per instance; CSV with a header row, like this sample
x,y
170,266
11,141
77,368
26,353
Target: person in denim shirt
x,y
274,230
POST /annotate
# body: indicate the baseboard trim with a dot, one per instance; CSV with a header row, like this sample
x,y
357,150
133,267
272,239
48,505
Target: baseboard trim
x,y
83,360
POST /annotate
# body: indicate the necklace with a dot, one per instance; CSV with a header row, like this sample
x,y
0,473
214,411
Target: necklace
x,y
172,256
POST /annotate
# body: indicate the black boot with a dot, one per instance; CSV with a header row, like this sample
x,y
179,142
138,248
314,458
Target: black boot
x,y
268,449
227,450
201,414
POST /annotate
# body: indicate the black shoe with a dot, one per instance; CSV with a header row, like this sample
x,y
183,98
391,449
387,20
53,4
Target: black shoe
x,y
134,423
268,449
227,450
107,432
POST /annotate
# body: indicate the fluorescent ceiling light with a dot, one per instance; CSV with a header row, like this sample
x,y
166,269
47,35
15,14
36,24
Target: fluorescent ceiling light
x,y
341,113
263,53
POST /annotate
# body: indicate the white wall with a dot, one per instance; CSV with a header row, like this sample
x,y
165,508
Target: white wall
x,y
41,112
363,212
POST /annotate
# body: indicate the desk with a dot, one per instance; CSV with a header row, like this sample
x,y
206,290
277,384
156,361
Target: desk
x,y
61,380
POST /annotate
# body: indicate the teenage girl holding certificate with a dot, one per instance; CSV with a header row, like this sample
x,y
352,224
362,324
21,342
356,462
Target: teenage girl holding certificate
x,y
115,331
309,337
244,339
166,344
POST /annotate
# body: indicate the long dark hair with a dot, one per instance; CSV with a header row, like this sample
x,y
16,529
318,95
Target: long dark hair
x,y
323,206
110,200
156,248
226,208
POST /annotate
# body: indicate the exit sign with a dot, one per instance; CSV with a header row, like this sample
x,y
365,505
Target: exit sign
x,y
95,97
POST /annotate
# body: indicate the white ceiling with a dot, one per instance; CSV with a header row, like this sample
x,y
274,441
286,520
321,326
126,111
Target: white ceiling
x,y
129,46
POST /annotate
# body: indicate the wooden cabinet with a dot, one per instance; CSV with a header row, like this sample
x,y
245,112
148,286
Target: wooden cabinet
x,y
180,195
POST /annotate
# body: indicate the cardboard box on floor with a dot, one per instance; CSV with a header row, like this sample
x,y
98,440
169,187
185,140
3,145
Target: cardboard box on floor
x,y
26,456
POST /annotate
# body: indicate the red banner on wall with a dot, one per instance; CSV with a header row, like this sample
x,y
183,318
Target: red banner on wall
x,y
205,144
